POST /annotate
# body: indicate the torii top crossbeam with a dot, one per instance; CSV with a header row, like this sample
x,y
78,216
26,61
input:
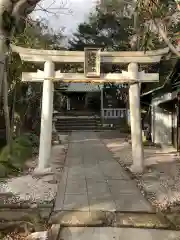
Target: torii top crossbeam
x,y
38,55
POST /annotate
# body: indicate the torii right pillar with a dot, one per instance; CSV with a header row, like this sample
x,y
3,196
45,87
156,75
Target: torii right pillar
x,y
135,120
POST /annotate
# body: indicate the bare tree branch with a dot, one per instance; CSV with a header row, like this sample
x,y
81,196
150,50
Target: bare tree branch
x,y
165,38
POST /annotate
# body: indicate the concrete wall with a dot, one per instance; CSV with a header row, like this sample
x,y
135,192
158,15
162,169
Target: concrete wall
x,y
161,121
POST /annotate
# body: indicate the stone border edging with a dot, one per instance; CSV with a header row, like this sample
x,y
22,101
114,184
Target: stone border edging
x,y
110,219
25,206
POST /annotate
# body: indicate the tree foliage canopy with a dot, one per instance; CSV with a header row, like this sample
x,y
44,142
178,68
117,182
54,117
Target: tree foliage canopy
x,y
111,25
162,22
107,29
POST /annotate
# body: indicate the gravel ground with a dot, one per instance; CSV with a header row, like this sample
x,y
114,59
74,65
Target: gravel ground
x,y
160,181
29,189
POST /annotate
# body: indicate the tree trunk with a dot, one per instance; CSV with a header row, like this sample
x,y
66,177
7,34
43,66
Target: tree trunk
x,y
5,6
2,62
6,109
12,122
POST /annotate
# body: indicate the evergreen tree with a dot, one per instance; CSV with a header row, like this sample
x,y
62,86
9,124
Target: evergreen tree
x,y
108,26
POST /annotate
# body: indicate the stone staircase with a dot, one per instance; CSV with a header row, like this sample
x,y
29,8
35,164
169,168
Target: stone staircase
x,y
79,123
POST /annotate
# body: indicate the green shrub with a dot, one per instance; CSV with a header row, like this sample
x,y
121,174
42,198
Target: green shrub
x,y
24,141
21,150
3,171
33,138
4,154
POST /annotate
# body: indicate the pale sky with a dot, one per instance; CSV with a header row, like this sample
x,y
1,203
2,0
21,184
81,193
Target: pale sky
x,y
79,12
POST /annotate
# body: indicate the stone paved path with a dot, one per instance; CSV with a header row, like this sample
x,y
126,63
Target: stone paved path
x,y
94,181
117,234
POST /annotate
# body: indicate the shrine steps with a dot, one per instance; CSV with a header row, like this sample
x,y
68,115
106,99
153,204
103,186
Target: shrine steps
x,y
77,123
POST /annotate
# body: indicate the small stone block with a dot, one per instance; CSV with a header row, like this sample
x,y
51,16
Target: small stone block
x,y
37,236
45,212
53,233
140,220
136,169
81,218
42,172
174,218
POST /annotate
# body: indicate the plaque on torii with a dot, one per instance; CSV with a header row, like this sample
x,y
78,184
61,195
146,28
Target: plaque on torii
x,y
92,62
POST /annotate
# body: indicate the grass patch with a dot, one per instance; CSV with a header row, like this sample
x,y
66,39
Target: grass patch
x,y
22,149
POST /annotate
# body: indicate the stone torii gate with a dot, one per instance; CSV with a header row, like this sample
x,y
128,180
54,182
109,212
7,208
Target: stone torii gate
x,y
91,58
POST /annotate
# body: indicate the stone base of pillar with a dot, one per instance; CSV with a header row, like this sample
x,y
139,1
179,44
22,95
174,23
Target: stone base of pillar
x,y
55,138
136,169
42,172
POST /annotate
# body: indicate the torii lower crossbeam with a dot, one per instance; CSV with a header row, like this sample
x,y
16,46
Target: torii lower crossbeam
x,y
124,77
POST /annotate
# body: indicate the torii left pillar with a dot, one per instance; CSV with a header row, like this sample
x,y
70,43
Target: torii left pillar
x,y
46,119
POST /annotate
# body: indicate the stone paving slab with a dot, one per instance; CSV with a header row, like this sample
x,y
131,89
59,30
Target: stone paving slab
x,y
106,233
131,203
121,186
76,202
76,187
95,181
